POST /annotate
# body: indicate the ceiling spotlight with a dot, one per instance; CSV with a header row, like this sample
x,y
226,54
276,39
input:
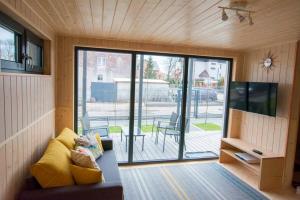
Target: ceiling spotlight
x,y
241,17
250,19
224,15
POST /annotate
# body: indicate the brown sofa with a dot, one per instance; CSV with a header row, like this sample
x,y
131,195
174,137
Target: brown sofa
x,y
111,189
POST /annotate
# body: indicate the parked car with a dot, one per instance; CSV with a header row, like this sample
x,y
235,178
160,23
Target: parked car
x,y
205,94
202,94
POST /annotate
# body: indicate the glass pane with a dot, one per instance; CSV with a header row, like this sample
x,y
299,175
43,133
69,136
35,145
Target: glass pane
x,y
206,93
35,52
157,107
104,96
7,45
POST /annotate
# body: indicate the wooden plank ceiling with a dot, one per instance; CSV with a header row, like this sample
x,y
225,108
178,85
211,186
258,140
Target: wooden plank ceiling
x,y
184,22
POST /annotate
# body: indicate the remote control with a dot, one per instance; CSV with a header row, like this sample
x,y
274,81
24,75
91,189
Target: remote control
x,y
256,151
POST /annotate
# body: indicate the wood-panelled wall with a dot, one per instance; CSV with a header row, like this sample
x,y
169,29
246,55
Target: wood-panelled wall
x,y
26,124
270,133
65,67
27,107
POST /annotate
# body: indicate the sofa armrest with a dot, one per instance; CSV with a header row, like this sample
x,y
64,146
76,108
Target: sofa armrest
x,y
107,144
107,191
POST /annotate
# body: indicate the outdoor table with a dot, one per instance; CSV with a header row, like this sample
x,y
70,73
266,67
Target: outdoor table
x,y
136,133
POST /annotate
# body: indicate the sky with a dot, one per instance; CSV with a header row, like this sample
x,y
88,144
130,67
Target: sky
x,y
6,35
200,66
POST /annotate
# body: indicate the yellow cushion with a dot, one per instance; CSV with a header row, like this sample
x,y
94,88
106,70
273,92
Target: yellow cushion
x,y
99,141
67,137
84,175
53,169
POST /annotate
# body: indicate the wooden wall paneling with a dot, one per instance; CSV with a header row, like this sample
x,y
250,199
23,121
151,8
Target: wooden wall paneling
x,y
14,119
291,141
7,107
9,170
274,134
24,100
189,22
265,131
2,173
16,179
2,111
20,168
27,109
108,13
20,103
23,140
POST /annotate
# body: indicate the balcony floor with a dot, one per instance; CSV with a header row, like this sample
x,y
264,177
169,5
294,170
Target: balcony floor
x,y
197,141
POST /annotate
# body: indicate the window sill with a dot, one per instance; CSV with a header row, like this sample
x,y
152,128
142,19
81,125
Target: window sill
x,y
24,74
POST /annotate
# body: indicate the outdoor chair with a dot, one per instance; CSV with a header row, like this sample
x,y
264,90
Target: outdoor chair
x,y
163,124
174,132
103,129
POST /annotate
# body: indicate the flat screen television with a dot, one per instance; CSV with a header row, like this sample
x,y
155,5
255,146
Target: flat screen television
x,y
238,95
254,97
262,98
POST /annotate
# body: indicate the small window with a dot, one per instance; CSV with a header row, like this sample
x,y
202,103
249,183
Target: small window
x,y
8,48
34,53
101,61
20,50
100,77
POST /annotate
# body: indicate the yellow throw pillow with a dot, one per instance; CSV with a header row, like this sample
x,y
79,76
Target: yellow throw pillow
x,y
84,175
67,137
53,169
99,141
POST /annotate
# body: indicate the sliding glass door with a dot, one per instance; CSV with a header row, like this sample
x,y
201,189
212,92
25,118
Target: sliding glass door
x,y
205,107
103,95
157,107
136,99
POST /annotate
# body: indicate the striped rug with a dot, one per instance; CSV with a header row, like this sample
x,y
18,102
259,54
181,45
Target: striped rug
x,y
207,181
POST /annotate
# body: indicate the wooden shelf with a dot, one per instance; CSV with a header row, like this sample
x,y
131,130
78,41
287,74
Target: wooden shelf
x,y
269,169
254,167
248,148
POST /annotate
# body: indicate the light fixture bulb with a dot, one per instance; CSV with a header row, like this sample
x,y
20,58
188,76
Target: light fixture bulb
x,y
224,15
241,17
250,19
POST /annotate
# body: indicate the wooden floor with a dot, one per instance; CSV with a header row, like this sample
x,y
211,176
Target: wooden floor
x,y
195,142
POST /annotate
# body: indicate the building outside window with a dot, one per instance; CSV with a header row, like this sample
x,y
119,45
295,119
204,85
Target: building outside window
x,y
100,77
101,61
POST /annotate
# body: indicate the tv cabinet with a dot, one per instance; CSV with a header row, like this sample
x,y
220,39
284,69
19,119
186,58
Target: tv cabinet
x,y
269,170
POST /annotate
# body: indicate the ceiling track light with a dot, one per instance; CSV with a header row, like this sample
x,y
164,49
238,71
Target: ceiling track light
x,y
224,15
238,14
250,19
241,17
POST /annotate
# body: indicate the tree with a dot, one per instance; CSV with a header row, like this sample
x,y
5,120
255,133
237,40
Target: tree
x,y
149,71
171,64
221,82
7,49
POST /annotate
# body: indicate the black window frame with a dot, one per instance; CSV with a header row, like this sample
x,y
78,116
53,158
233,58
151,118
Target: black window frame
x,y
22,36
186,69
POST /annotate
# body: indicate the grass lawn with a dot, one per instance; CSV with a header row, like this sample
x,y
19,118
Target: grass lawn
x,y
148,128
209,126
114,129
117,129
